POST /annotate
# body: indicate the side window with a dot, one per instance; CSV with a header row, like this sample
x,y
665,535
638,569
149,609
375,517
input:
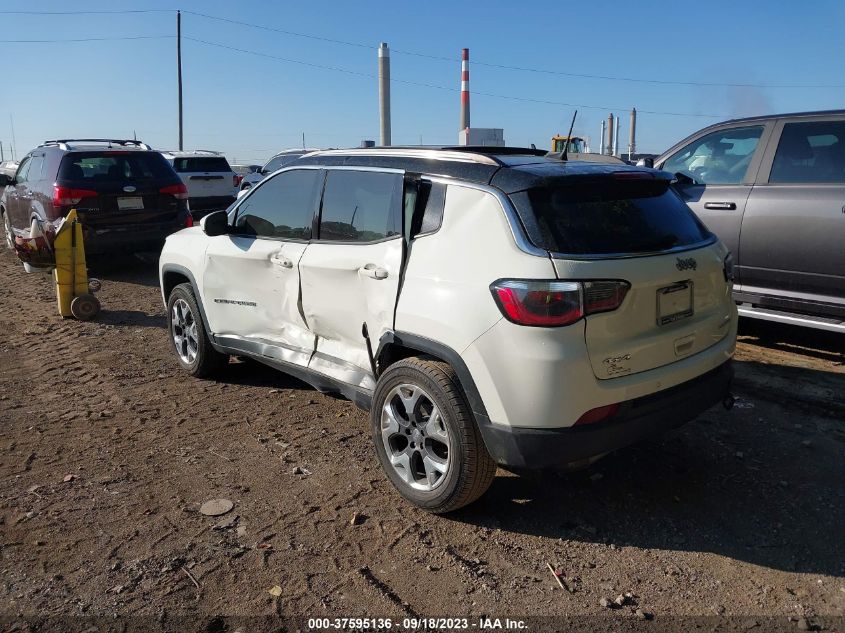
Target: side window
x,y
361,206
23,169
810,152
282,206
430,204
720,158
34,171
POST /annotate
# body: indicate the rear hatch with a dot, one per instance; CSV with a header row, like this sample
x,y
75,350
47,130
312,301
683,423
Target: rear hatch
x,y
206,176
634,228
119,187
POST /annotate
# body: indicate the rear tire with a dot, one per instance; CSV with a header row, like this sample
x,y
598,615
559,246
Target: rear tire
x,y
9,235
188,335
426,437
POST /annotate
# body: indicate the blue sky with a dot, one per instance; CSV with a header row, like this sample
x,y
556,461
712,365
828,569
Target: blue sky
x,y
251,106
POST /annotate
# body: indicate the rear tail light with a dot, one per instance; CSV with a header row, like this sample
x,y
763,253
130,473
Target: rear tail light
x,y
189,221
180,191
236,180
556,303
598,414
66,196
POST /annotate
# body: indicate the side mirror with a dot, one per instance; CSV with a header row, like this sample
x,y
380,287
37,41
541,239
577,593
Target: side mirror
x,y
683,179
645,162
215,224
5,180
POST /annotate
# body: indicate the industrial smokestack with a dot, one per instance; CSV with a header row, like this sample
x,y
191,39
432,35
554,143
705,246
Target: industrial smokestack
x,y
601,141
384,92
632,135
608,148
616,136
465,90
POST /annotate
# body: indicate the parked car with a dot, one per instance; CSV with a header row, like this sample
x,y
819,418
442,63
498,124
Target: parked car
x,y
211,183
773,188
127,196
488,308
9,167
243,170
277,162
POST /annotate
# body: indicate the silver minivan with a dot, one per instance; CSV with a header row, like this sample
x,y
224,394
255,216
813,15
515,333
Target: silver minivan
x,y
773,189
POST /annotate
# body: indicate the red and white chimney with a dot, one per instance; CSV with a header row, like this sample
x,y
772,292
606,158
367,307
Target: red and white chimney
x,y
465,91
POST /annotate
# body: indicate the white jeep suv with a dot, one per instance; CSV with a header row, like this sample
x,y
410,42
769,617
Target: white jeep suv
x,y
487,308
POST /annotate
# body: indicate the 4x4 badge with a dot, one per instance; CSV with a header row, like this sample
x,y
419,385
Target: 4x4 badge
x,y
686,264
129,189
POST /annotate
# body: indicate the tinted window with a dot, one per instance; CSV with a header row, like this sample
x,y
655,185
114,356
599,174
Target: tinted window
x,y
94,167
720,158
810,152
34,171
201,163
280,161
601,218
361,206
282,206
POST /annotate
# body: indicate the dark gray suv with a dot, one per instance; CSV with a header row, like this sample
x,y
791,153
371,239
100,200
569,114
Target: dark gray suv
x,y
773,189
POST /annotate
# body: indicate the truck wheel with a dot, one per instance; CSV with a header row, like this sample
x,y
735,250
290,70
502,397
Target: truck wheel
x,y
187,333
426,437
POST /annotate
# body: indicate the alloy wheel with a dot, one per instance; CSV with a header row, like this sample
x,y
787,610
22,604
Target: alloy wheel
x,y
184,330
415,437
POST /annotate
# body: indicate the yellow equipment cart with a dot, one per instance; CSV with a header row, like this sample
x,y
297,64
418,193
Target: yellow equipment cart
x,y
71,272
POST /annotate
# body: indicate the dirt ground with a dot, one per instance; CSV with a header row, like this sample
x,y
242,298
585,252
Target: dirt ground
x,y
107,451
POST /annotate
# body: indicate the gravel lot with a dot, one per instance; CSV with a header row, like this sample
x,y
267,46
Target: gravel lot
x,y
107,452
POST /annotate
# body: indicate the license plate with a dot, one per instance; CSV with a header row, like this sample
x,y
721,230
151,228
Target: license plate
x,y
674,302
127,204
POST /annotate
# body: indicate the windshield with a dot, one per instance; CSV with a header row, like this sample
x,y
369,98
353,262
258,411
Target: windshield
x,y
278,162
608,217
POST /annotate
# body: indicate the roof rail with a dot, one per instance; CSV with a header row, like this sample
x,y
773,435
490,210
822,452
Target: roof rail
x,y
414,152
63,143
496,151
188,152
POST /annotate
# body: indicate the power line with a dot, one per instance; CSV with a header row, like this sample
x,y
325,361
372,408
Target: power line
x,y
544,71
447,88
104,12
516,68
89,39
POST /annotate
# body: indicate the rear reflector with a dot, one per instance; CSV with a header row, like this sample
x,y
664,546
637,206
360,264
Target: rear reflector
x,y
555,303
180,191
598,414
66,196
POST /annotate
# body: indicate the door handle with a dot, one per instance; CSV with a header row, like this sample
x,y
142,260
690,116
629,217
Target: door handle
x,y
373,271
284,262
721,206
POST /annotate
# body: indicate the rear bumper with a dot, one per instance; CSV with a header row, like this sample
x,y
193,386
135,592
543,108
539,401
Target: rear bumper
x,y
121,238
201,206
539,449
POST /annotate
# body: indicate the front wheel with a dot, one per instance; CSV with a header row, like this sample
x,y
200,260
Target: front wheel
x,y
187,332
426,437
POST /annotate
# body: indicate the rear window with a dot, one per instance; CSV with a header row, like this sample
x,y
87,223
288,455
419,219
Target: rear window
x,y
94,167
608,217
201,163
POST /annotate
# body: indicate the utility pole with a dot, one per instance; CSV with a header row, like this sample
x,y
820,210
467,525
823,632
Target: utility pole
x,y
179,71
632,135
14,142
384,93
2,158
